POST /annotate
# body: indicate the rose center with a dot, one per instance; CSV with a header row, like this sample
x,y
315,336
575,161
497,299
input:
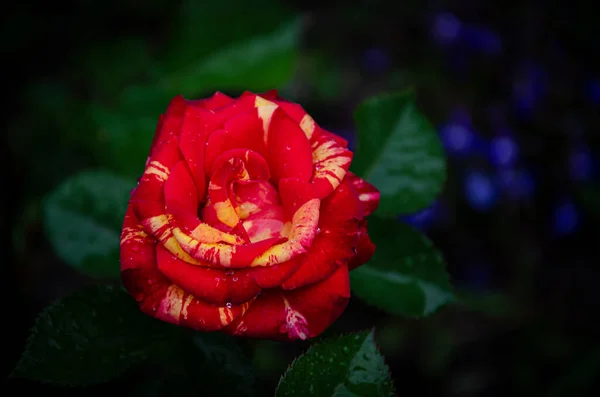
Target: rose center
x,y
242,201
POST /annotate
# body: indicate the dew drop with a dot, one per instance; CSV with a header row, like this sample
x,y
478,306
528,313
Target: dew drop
x,y
318,230
235,279
229,305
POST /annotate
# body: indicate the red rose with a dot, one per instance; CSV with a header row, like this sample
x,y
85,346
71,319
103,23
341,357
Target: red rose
x,y
246,220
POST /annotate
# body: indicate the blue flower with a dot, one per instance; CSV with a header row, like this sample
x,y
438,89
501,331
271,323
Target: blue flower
x,y
480,191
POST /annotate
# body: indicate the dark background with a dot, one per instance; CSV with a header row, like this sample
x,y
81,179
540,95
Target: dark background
x,y
514,88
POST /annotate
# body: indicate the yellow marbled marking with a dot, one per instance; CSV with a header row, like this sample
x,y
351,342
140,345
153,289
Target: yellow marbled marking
x,y
286,229
136,234
302,233
265,113
156,222
308,125
218,254
184,309
240,329
246,209
323,150
262,229
173,246
260,101
212,186
172,303
208,234
157,169
368,196
295,321
330,159
332,169
225,315
226,213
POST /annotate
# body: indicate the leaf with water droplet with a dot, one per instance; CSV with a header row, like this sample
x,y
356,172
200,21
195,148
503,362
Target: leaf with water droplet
x,y
83,218
67,346
407,274
359,370
399,152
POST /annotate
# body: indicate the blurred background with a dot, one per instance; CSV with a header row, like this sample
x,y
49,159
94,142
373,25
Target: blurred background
x,y
513,87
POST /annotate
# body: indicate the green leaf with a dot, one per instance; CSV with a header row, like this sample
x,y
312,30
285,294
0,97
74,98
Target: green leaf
x,y
399,152
83,218
346,366
406,276
91,336
253,63
199,32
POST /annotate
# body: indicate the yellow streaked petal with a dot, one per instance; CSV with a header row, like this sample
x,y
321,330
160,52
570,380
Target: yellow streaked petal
x,y
208,234
265,113
302,233
135,234
184,309
226,213
172,304
157,169
218,254
225,315
295,321
308,125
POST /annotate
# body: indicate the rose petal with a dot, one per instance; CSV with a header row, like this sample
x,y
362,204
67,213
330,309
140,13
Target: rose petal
x,y
336,241
302,233
289,152
170,124
367,193
299,115
137,246
216,101
181,202
331,161
294,194
210,285
364,247
148,197
233,165
197,124
298,314
155,294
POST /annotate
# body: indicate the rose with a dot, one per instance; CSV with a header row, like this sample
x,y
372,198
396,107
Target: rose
x,y
245,220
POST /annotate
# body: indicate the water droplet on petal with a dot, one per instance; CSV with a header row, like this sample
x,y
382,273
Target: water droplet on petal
x,y
235,279
229,305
